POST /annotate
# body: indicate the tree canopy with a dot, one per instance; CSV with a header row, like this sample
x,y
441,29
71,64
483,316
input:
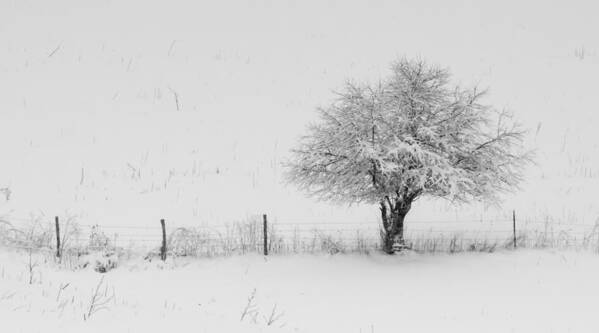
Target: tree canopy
x,y
413,134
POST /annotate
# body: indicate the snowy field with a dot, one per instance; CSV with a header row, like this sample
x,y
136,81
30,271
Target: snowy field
x,y
122,113
187,111
506,291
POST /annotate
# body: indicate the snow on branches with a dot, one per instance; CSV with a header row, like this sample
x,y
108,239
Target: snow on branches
x,y
411,135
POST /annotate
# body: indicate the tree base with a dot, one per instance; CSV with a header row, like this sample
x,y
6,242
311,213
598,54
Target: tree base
x,y
400,246
397,247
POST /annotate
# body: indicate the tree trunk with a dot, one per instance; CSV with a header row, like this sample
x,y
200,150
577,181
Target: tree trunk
x,y
393,226
394,236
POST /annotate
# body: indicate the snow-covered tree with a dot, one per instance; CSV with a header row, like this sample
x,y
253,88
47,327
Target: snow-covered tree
x,y
411,135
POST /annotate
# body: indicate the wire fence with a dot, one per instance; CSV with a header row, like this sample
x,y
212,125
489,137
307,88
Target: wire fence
x,y
39,233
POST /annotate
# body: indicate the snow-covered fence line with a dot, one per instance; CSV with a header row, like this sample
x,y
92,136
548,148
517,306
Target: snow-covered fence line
x,y
287,237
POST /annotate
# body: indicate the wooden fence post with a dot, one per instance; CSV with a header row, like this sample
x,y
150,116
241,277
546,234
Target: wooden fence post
x,y
514,226
265,234
58,254
163,247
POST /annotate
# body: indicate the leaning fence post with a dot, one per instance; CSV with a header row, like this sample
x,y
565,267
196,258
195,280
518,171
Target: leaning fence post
x,y
163,247
58,254
514,226
265,234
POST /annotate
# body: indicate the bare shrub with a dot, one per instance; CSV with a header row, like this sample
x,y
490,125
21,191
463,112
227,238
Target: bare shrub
x,y
98,240
99,300
187,241
250,310
70,231
274,316
31,265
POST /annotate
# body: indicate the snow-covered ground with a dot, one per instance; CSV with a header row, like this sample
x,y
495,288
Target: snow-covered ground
x,y
121,113
506,291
